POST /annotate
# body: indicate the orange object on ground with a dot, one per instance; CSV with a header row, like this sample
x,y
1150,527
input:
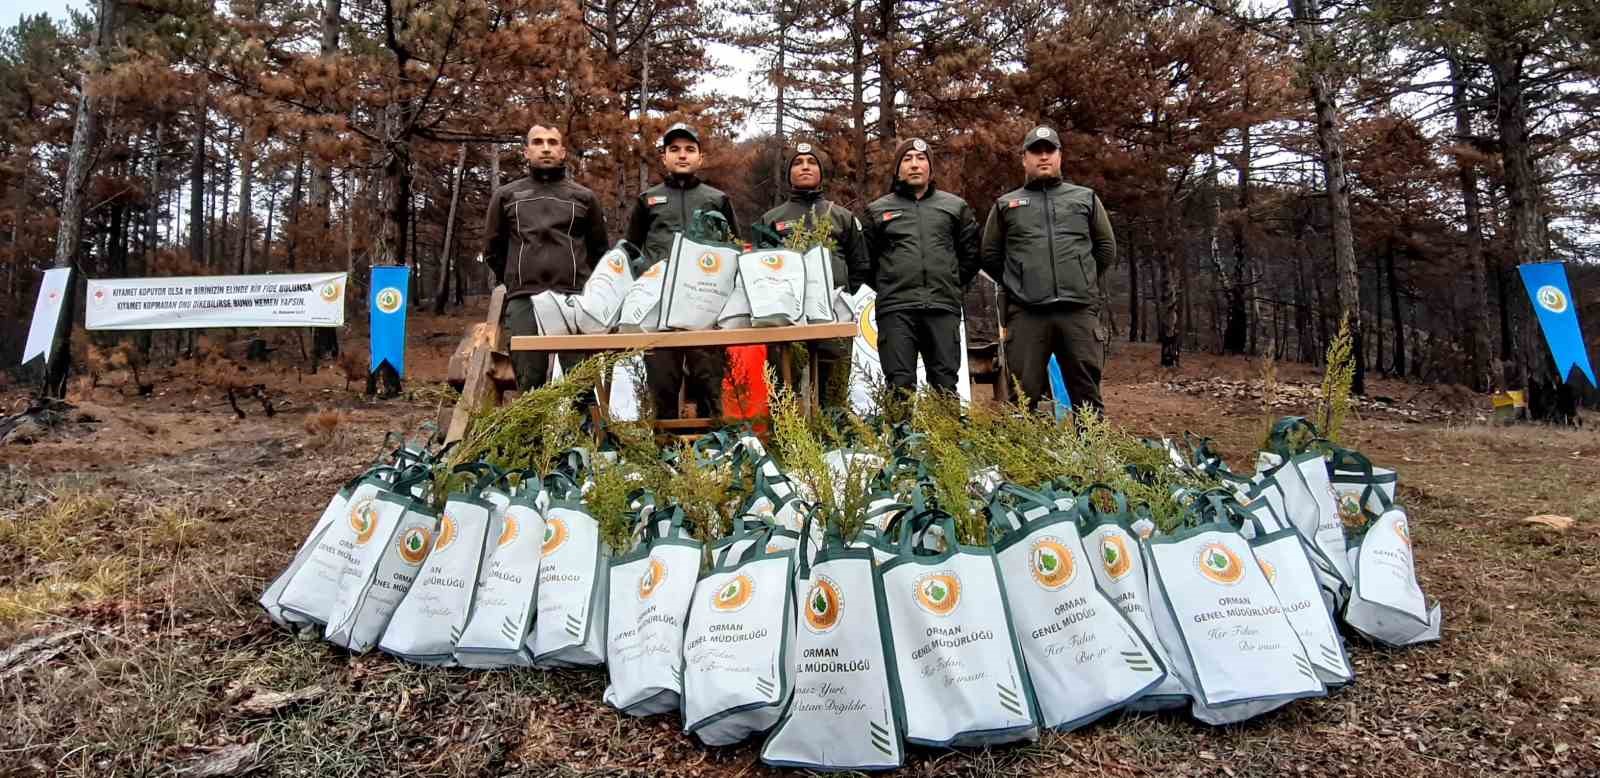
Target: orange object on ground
x,y
744,388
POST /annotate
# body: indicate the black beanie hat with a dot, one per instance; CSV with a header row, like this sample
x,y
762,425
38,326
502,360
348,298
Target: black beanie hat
x,y
910,144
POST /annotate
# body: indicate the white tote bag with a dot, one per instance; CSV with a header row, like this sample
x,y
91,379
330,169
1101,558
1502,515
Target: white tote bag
x,y
738,649
383,571
735,314
641,306
312,586
555,313
846,711
1285,491
1083,656
500,622
1225,631
699,280
961,673
431,617
1282,557
335,510
1387,604
601,302
569,630
775,281
1364,491
650,591
819,286
1122,572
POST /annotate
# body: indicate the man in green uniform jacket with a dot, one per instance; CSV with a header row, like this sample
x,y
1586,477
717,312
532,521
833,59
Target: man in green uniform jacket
x,y
659,212
1048,244
805,208
923,248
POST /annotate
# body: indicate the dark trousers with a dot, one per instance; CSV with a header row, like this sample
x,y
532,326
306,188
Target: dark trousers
x,y
833,363
699,371
533,367
903,335
1070,332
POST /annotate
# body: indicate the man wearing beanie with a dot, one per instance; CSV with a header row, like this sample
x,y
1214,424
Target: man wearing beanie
x,y
923,249
808,170
544,231
1048,244
659,212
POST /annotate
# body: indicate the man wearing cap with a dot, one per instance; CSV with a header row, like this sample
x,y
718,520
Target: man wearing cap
x,y
544,231
1048,244
659,212
806,206
923,248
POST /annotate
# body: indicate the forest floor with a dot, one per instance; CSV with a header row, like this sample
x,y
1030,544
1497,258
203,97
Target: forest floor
x,y
135,539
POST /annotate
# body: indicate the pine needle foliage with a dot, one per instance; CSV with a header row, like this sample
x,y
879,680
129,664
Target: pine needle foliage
x,y
1334,405
528,432
820,233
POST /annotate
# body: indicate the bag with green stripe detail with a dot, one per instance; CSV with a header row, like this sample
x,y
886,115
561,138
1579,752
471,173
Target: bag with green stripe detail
x,y
1084,657
650,591
1222,623
1387,605
956,653
738,648
845,712
569,629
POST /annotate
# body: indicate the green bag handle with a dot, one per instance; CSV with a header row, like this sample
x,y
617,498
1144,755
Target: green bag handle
x,y
832,537
758,538
912,531
561,486
1349,459
409,477
488,475
1090,511
1278,439
676,521
709,227
763,237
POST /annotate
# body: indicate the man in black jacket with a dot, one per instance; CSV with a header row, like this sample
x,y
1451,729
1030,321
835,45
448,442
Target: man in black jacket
x,y
806,207
659,212
544,232
923,245
1048,244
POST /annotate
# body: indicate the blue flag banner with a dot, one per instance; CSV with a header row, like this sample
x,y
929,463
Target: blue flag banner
x,y
1558,316
1058,388
388,305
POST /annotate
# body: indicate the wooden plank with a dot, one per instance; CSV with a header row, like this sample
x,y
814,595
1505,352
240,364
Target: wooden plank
x,y
675,340
479,390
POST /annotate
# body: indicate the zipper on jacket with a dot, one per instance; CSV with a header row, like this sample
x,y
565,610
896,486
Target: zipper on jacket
x,y
1050,243
922,247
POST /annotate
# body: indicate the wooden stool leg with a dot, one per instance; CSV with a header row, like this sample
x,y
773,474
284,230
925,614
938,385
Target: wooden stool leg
x,y
814,392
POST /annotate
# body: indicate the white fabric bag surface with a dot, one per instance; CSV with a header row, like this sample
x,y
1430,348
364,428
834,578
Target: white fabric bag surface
x,y
650,591
385,567
1285,491
1122,571
335,510
500,621
1283,559
738,652
960,671
1224,628
1387,604
819,285
601,302
431,617
699,280
555,313
569,630
776,282
735,314
309,593
1084,658
846,712
641,306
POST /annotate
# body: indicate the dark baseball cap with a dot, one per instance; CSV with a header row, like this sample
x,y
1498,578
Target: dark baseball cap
x,y
1041,134
679,129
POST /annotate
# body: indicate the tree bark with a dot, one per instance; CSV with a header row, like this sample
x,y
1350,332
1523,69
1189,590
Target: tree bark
x,y
69,232
887,17
447,256
1330,139
1477,281
1236,337
1133,289
858,98
247,182
1399,368
1531,361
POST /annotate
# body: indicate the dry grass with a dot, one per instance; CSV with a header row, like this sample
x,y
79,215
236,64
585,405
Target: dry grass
x,y
322,427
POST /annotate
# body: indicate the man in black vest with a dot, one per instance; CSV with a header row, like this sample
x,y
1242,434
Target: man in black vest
x,y
1048,244
806,207
544,232
659,212
923,245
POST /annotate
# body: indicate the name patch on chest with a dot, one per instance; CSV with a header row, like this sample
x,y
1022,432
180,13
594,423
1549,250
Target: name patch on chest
x,y
655,200
783,226
890,216
1017,202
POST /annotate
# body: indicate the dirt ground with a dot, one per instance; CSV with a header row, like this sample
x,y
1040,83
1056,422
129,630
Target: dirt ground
x,y
135,540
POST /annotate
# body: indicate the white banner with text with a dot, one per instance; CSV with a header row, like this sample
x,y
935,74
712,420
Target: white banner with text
x,y
189,302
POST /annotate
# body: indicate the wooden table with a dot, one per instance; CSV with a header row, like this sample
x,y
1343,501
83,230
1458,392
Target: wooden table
x,y
484,383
